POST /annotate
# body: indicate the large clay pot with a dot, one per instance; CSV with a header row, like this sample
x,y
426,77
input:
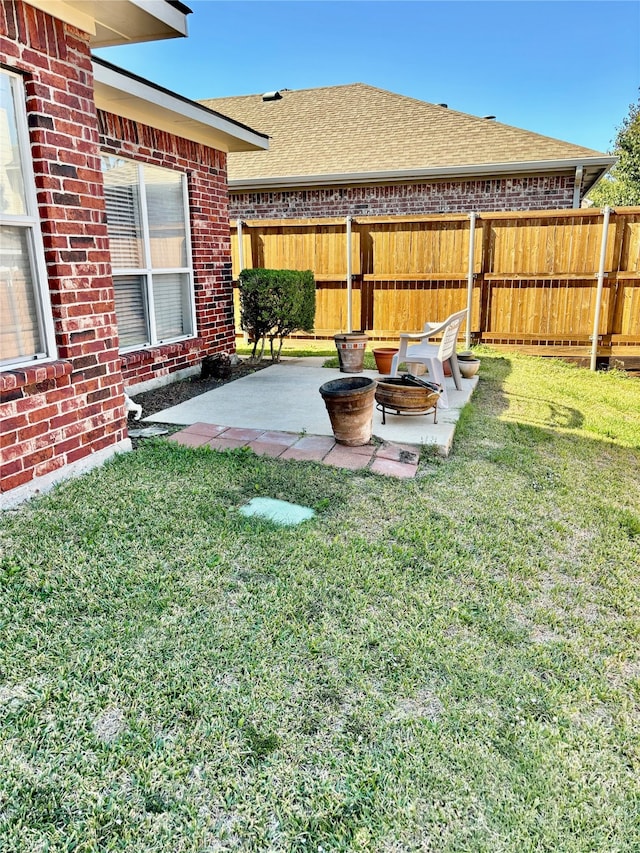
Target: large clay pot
x,y
349,403
383,357
351,347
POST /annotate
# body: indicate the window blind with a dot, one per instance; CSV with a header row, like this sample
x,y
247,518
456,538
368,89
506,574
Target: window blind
x,y
12,189
122,197
26,323
166,217
19,328
131,310
171,306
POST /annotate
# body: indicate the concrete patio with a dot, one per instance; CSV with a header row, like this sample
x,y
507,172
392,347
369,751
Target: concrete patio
x,y
283,400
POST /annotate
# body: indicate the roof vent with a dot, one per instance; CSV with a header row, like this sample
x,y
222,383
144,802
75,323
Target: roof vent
x,y
446,106
490,118
272,96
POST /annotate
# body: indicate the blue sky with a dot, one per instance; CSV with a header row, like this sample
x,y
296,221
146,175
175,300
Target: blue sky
x,y
564,69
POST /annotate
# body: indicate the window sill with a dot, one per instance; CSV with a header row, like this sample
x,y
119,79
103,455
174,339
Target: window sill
x,y
33,375
160,352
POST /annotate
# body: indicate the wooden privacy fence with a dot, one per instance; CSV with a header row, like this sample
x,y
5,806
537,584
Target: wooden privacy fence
x,y
541,281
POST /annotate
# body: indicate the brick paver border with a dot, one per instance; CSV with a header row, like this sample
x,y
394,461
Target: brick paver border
x,y
390,460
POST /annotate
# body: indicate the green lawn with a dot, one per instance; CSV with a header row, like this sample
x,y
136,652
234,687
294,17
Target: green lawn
x,y
445,664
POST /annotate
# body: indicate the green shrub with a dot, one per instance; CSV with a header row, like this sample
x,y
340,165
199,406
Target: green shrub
x,y
274,304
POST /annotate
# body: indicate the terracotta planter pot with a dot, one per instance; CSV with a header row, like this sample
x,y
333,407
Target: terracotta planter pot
x,y
349,403
383,357
351,347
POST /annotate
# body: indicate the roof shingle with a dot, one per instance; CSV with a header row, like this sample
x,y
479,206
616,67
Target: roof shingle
x,y
356,128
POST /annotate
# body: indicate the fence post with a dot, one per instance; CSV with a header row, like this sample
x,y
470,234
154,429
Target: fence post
x,y
470,275
598,308
240,246
245,333
349,306
486,266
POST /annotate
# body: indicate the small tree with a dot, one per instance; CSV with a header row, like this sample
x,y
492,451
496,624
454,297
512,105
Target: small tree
x,y
274,304
622,185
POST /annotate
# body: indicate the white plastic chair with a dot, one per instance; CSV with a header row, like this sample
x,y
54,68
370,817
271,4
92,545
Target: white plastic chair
x,y
433,355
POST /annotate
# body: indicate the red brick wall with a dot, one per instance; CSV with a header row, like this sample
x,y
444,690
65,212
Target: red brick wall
x,y
206,171
57,413
518,193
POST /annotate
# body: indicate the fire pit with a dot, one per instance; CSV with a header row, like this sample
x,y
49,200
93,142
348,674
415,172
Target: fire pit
x,y
406,395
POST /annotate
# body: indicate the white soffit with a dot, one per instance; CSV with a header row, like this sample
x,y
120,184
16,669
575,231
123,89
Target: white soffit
x,y
136,99
117,22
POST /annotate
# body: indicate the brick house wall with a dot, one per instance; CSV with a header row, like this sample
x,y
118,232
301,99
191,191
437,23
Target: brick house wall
x,y
65,412
210,243
518,193
56,413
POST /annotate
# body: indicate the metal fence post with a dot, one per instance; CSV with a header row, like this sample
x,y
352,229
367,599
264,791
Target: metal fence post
x,y
598,308
349,282
470,275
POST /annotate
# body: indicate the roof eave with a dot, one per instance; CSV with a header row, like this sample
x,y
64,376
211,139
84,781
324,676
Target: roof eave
x,y
130,96
598,164
593,176
125,22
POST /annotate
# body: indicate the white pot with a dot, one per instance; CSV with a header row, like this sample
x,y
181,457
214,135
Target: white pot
x,y
469,368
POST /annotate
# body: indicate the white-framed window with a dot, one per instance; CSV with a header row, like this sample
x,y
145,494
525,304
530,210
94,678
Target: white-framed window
x,y
26,322
148,227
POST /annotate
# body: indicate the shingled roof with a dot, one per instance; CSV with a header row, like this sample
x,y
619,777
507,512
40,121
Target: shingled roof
x,y
357,132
